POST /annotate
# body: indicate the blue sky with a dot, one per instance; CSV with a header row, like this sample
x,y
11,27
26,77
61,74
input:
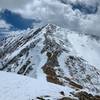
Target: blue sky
x,y
78,15
16,20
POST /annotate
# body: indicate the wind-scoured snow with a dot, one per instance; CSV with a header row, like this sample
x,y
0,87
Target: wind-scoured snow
x,y
16,87
87,48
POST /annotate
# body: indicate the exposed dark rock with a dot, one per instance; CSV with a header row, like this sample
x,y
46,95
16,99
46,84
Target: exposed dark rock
x,y
51,74
54,80
85,96
67,98
49,70
76,85
40,98
62,93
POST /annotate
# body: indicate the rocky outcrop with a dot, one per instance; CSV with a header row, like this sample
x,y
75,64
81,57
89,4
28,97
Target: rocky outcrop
x,y
83,73
49,68
67,98
86,96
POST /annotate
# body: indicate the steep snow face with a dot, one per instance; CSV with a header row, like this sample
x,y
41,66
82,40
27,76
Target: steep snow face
x,y
54,54
87,47
23,53
16,87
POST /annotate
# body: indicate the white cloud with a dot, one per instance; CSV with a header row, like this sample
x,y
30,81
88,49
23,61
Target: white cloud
x,y
14,4
63,15
52,11
3,25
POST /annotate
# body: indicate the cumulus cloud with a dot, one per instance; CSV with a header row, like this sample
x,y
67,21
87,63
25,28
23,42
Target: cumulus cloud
x,y
53,11
4,25
50,11
14,4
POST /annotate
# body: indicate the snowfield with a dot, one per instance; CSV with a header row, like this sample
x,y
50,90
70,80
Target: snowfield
x,y
17,87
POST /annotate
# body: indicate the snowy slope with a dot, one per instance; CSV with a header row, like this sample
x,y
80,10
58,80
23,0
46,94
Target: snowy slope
x,y
56,55
87,48
16,87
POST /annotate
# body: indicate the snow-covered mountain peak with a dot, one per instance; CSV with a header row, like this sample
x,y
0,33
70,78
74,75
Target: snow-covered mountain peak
x,y
54,54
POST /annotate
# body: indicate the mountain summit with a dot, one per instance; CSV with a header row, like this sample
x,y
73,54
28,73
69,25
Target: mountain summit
x,y
54,54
